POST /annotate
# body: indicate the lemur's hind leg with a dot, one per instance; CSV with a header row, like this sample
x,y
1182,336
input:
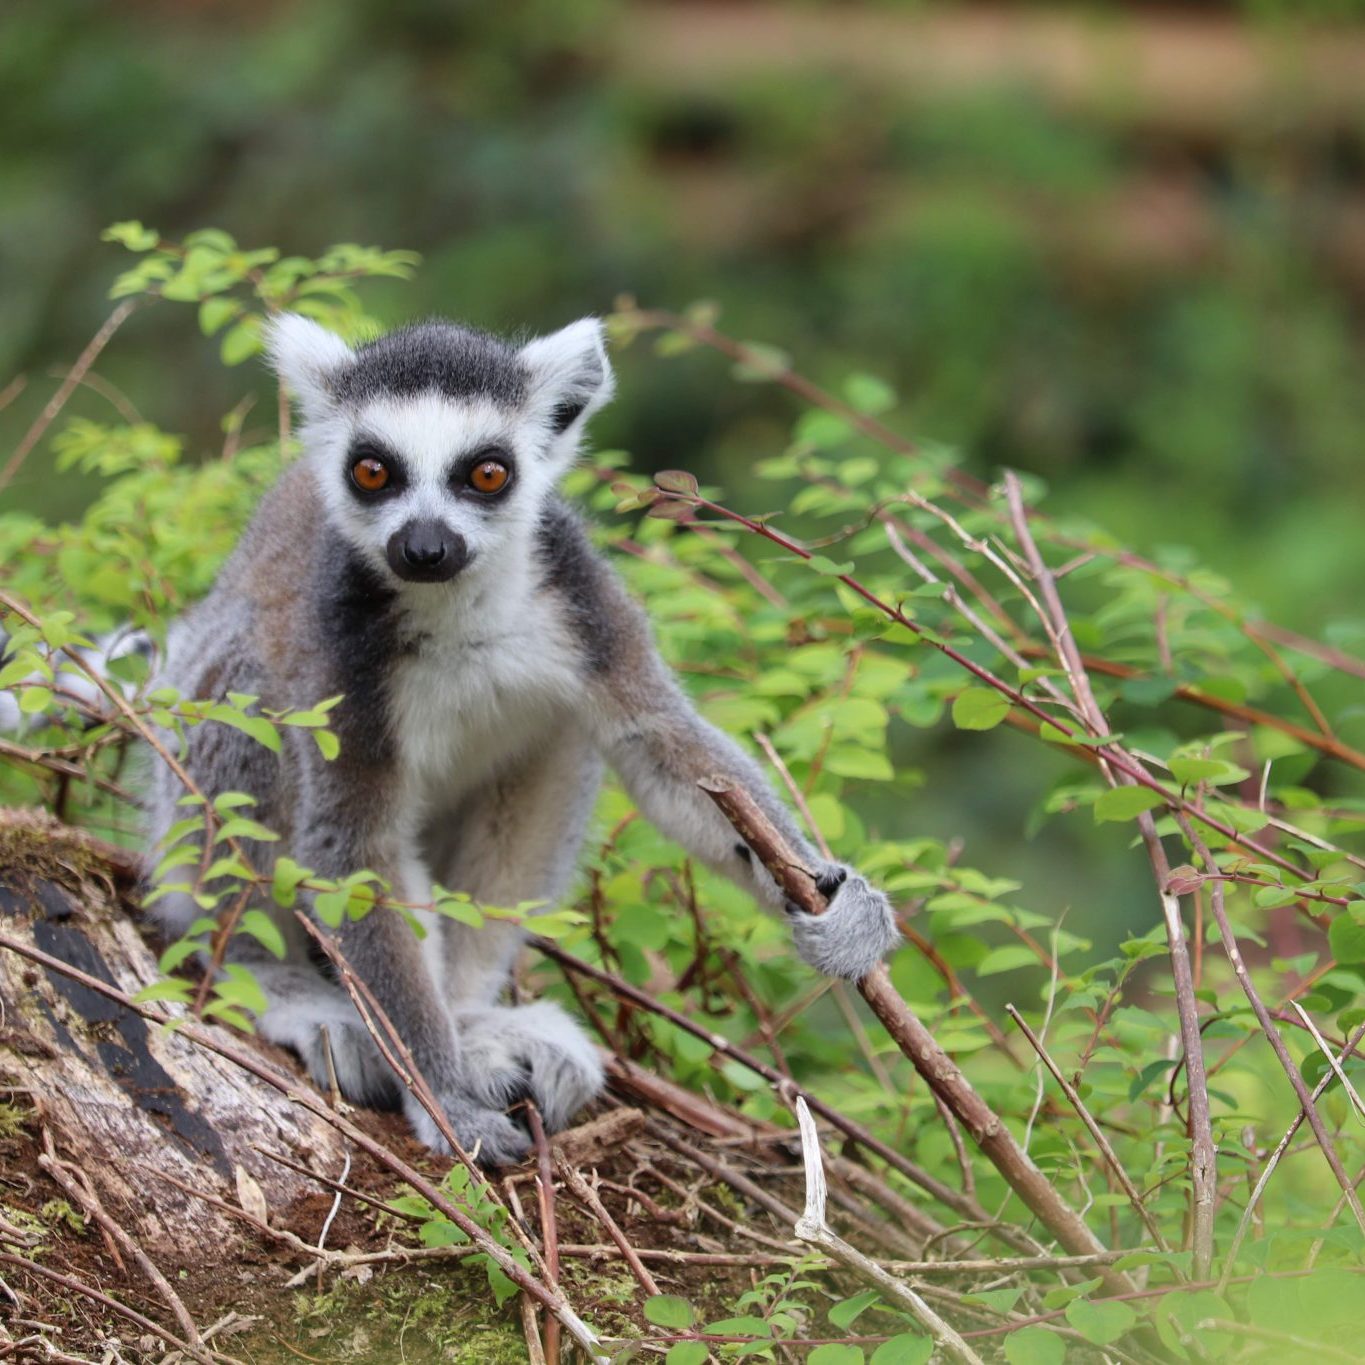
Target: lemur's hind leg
x,y
518,840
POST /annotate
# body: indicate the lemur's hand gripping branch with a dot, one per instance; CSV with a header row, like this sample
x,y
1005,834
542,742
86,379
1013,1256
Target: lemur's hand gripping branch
x,y
914,1040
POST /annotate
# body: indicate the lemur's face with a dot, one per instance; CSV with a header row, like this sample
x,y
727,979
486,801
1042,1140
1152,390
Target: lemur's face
x,y
435,446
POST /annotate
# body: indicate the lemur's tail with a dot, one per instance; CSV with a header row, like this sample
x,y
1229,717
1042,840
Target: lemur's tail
x,y
72,686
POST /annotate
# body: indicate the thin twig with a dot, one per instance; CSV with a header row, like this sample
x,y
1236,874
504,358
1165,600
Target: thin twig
x,y
1228,937
1094,1129
1253,1202
586,1195
549,1230
80,1193
57,402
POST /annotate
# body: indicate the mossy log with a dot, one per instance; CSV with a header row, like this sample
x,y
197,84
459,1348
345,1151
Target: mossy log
x,y
125,1100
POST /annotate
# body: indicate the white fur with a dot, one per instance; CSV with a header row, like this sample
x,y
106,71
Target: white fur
x,y
304,353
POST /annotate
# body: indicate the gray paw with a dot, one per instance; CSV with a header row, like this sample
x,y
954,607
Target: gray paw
x,y
529,1051
486,1134
855,932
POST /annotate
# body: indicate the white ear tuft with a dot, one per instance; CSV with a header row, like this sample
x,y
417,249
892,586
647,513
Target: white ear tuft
x,y
570,374
305,356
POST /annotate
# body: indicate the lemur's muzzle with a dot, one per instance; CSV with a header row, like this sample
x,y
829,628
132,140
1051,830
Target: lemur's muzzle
x,y
427,552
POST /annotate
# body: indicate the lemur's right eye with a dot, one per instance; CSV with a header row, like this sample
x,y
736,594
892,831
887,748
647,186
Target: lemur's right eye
x,y
370,474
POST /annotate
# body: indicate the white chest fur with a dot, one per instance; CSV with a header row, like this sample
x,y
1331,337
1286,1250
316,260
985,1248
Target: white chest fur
x,y
485,678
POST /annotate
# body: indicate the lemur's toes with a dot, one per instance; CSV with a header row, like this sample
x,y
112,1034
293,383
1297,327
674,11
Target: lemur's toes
x,y
830,880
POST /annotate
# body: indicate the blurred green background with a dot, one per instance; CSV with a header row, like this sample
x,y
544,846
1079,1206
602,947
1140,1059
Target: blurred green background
x,y
1120,246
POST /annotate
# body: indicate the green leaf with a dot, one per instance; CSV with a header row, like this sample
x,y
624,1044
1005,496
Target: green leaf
x,y
687,1353
835,1355
869,394
287,876
329,746
1346,938
242,341
980,708
35,699
498,1281
827,568
215,313
844,1315
171,988
906,1349
668,1310
1215,770
1007,959
264,930
239,987
1034,1346
1126,803
176,953
762,363
1100,1322
131,234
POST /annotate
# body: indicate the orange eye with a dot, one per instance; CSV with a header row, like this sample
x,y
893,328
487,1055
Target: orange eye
x,y
489,477
370,474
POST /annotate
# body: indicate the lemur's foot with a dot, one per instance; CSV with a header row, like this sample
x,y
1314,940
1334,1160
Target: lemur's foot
x,y
487,1134
855,932
532,1052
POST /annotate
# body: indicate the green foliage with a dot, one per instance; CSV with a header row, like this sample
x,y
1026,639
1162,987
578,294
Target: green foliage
x,y
846,664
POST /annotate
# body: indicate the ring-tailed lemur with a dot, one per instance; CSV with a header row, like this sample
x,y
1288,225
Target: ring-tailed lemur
x,y
418,561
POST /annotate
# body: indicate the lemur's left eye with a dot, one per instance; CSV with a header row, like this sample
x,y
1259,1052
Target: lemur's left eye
x,y
370,474
489,477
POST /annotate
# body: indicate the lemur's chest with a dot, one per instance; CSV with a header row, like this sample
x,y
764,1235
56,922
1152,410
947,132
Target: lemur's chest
x,y
469,696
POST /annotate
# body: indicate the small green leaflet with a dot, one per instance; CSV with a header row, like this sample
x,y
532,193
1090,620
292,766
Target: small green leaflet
x,y
668,1310
1126,803
980,708
1034,1346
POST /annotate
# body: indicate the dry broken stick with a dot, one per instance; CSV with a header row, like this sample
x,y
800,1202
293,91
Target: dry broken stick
x,y
811,1227
944,1078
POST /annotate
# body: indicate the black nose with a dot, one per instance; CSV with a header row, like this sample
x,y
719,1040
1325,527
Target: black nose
x,y
427,552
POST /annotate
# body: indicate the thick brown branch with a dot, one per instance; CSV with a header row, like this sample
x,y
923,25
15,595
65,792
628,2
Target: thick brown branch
x,y
944,1077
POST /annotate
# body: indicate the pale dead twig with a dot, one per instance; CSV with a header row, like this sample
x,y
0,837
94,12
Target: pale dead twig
x,y
811,1227
549,1229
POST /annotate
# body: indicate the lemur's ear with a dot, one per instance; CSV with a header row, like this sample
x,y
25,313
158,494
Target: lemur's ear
x,y
306,356
570,375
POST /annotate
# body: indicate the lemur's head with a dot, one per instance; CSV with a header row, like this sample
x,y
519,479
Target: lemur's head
x,y
435,446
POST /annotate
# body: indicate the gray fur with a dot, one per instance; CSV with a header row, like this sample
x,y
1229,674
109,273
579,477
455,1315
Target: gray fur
x,y
454,360
477,716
